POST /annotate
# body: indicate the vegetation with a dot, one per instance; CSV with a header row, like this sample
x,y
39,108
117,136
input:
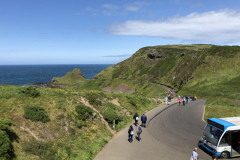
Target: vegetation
x,y
7,135
207,71
76,130
30,91
35,113
110,115
76,105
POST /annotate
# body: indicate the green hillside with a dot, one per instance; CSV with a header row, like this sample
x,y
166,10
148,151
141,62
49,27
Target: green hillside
x,y
207,71
73,118
53,123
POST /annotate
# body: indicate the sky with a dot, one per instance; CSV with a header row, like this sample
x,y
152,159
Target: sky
x,y
109,31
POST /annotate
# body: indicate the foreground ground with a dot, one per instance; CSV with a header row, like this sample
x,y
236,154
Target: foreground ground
x,y
172,134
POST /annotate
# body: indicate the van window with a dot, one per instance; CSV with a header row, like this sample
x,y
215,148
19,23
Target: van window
x,y
225,141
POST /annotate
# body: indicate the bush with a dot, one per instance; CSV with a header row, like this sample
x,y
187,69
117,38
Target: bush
x,y
110,105
83,112
110,115
30,91
35,112
95,97
5,142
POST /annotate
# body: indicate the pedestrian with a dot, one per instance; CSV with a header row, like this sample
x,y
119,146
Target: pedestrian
x,y
130,134
214,157
136,118
166,100
187,99
169,98
144,120
194,154
184,100
195,98
192,98
179,101
139,131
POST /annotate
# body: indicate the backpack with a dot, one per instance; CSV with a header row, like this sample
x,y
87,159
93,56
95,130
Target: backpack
x,y
139,130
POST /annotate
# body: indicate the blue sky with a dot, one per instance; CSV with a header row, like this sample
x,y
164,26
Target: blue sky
x,y
109,31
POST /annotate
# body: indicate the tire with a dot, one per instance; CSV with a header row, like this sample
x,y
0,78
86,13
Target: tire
x,y
224,155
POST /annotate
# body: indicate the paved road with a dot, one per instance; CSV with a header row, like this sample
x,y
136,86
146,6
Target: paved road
x,y
170,135
180,127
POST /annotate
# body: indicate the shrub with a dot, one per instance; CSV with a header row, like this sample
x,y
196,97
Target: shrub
x,y
83,112
110,115
110,105
95,97
5,142
30,91
35,112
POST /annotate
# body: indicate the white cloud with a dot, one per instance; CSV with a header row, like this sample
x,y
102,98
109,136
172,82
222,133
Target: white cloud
x,y
221,26
136,6
110,6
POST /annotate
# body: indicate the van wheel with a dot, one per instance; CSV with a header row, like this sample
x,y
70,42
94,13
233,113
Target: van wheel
x,y
224,155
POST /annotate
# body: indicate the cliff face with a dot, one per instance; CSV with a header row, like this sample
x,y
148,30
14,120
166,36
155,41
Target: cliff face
x,y
177,65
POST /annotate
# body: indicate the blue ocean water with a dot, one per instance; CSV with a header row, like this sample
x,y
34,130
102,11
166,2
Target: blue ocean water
x,y
29,74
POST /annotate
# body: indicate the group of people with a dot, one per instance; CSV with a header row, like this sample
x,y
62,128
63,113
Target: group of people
x,y
168,99
138,129
185,99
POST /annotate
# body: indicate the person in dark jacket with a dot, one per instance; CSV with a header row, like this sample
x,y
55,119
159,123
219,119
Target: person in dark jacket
x,y
136,118
169,99
130,134
144,120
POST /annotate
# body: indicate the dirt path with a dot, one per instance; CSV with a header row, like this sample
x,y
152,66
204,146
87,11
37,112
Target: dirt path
x,y
238,101
100,115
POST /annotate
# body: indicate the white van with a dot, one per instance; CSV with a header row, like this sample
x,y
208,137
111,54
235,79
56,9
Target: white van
x,y
221,136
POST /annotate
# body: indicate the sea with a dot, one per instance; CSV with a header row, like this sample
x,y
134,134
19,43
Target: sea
x,y
21,75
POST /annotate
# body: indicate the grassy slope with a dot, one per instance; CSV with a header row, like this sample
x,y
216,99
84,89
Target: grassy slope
x,y
61,138
160,70
207,71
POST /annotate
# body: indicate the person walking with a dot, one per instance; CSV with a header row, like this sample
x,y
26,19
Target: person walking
x,y
184,100
139,131
179,101
130,134
194,154
166,100
136,118
169,99
195,98
144,120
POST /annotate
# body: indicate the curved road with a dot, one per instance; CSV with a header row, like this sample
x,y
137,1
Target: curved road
x,y
180,127
172,134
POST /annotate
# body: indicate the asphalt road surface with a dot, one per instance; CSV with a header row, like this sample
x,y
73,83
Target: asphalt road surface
x,y
180,127
170,135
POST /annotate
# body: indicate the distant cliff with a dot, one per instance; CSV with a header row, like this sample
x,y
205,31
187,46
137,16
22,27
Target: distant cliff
x,y
70,77
180,66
